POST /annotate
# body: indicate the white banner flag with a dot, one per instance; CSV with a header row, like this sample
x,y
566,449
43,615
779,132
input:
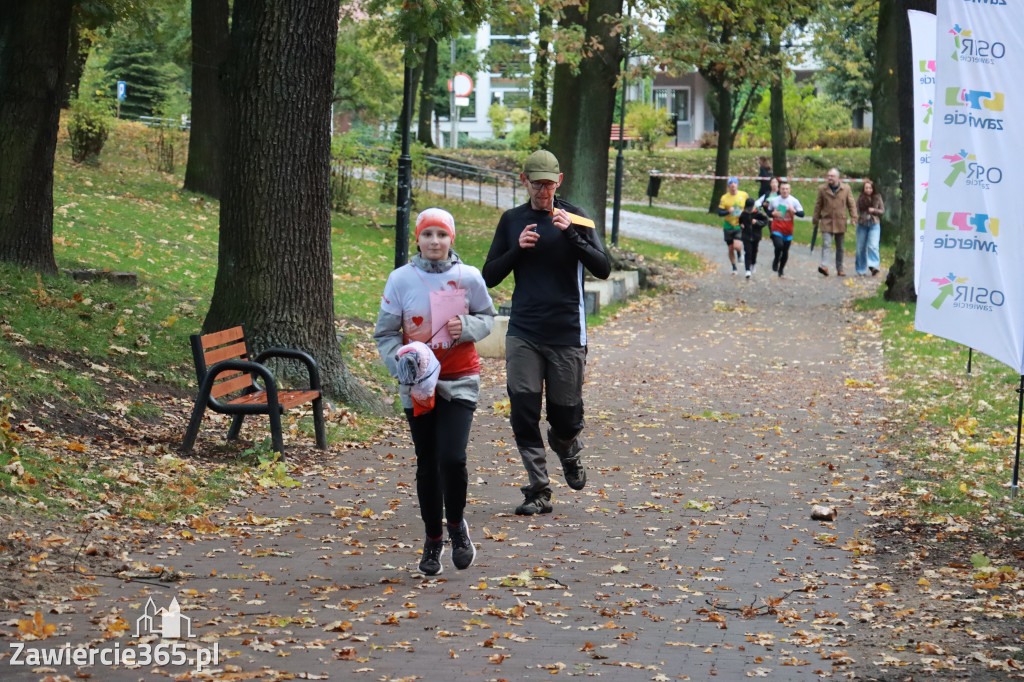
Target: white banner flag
x,y
922,36
972,279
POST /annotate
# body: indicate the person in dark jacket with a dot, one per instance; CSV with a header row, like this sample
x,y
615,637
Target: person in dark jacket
x,y
546,243
752,222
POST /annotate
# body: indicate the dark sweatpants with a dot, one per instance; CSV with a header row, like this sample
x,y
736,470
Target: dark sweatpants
x,y
750,245
535,371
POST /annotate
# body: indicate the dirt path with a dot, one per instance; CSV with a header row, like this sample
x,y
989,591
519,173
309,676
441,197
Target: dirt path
x,y
716,418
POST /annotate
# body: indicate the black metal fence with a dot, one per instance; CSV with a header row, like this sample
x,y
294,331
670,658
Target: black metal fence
x,y
467,182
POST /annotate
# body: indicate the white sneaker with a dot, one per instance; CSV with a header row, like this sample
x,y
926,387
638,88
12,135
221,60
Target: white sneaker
x,y
748,274
753,269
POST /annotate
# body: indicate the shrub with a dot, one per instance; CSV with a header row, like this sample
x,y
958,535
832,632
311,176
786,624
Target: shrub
x,y
88,126
849,138
651,123
346,155
166,139
519,137
708,140
497,114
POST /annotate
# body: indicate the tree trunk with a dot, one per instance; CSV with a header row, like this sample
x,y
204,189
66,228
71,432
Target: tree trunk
x,y
205,169
885,167
78,52
582,110
33,58
777,114
425,134
541,69
274,269
892,160
722,154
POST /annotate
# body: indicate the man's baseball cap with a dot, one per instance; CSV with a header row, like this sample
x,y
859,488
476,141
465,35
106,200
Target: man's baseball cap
x,y
541,165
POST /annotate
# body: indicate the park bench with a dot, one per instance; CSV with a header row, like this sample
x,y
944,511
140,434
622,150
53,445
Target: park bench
x,y
628,134
223,368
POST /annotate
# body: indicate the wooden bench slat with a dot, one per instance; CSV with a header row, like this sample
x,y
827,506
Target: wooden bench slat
x,y
288,399
222,337
628,134
237,382
235,350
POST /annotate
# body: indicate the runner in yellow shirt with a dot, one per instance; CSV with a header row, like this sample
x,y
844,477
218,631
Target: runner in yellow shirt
x,y
730,207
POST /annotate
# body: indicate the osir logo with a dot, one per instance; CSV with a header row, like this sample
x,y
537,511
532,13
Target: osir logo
x,y
965,297
975,49
965,165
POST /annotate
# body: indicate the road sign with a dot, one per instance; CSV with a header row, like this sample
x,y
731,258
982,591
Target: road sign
x,y
462,101
122,90
461,84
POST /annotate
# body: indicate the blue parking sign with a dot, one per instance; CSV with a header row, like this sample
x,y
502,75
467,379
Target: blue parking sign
x,y
122,88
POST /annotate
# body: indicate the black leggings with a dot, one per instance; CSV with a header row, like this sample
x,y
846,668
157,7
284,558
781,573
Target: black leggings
x,y
750,250
440,437
781,252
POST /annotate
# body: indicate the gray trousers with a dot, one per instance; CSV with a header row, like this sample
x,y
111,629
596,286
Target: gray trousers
x,y
536,371
827,239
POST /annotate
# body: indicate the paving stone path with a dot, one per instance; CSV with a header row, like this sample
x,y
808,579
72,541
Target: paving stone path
x,y
716,418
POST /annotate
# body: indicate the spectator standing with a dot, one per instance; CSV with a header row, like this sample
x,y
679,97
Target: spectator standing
x,y
764,171
783,209
870,208
441,302
834,209
730,207
546,243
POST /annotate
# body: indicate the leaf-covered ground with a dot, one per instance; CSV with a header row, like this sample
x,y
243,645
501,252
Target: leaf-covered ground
x,y
718,417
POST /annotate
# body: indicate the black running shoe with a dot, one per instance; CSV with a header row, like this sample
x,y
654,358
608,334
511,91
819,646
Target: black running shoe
x,y
430,562
463,549
536,504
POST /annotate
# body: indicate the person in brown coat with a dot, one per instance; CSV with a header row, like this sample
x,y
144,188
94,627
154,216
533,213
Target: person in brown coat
x,y
834,209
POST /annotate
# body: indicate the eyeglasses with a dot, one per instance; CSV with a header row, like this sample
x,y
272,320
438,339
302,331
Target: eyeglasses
x,y
543,184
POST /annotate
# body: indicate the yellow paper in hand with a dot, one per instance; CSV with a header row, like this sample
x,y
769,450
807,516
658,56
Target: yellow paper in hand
x,y
576,219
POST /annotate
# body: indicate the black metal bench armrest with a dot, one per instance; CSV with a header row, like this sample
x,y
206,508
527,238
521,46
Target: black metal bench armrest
x,y
246,366
304,357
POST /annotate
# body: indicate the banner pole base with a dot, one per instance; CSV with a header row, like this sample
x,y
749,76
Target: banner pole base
x,y
1013,492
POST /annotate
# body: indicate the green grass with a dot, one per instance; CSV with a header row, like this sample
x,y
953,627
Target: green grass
x,y
957,432
74,351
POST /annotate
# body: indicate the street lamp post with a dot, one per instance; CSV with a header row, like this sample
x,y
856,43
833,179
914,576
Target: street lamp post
x,y
404,193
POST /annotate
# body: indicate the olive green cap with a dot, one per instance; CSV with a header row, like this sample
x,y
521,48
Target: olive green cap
x,y
541,165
